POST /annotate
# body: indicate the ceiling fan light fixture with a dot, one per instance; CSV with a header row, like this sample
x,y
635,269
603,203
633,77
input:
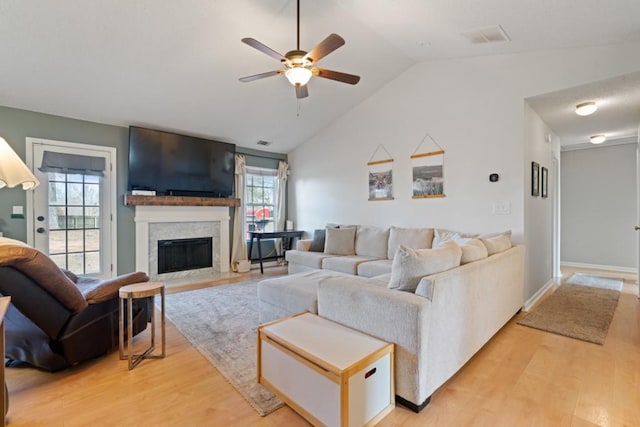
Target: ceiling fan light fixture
x,y
586,108
298,76
598,139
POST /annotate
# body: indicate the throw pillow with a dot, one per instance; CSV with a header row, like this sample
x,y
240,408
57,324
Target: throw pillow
x,y
411,265
317,244
440,236
340,241
472,249
496,244
372,241
414,238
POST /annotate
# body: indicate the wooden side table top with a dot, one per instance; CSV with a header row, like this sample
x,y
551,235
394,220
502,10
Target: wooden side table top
x,y
141,290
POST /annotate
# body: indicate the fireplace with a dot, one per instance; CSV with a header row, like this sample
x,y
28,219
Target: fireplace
x,y
184,254
155,223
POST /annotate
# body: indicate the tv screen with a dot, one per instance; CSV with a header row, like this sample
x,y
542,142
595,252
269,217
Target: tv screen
x,y
180,165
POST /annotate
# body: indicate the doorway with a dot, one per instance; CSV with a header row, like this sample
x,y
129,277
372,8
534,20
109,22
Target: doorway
x,y
72,214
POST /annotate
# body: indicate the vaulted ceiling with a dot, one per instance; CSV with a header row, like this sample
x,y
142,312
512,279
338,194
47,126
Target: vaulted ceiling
x,y
175,65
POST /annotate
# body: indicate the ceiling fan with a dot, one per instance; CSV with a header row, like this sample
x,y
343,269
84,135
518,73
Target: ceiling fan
x,y
299,66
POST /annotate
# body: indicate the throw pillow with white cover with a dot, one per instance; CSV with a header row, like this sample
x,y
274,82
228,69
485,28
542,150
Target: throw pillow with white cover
x,y
372,241
414,238
440,236
340,241
411,265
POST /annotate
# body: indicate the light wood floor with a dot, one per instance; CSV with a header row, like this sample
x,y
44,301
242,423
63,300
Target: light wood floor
x,y
521,377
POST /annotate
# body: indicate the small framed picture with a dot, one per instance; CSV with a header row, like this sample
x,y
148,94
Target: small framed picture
x,y
545,180
535,179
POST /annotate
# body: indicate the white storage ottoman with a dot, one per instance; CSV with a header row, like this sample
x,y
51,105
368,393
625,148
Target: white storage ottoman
x,y
328,373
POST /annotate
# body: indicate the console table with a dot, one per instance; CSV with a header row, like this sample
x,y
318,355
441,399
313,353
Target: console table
x,y
286,236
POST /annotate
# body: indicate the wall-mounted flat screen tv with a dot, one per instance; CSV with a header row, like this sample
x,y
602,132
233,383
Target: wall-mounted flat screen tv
x,y
180,165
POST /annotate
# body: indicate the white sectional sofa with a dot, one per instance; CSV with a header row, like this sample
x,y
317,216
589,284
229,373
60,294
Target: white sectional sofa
x,y
439,297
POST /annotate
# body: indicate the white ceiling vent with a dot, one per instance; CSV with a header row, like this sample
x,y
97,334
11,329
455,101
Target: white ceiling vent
x,y
492,34
262,142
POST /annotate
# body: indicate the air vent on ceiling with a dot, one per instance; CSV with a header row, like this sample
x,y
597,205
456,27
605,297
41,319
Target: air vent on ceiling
x,y
492,34
262,142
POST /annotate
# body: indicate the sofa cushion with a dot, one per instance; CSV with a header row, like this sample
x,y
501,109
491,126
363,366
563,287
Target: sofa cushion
x,y
317,244
344,264
496,244
340,241
411,265
414,238
306,258
375,268
372,241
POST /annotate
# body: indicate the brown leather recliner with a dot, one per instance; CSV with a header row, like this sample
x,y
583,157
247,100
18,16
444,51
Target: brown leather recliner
x,y
57,319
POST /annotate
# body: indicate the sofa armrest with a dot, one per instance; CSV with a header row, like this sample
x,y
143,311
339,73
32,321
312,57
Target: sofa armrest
x,y
304,244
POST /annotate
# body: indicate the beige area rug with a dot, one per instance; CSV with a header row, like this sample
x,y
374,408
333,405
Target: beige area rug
x,y
221,323
578,311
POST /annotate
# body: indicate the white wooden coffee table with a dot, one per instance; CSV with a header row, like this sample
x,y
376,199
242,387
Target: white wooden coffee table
x,y
328,373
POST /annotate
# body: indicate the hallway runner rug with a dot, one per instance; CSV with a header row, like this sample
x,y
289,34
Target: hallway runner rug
x,y
578,311
221,323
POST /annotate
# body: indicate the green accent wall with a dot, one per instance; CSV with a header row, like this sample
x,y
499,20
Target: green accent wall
x,y
16,125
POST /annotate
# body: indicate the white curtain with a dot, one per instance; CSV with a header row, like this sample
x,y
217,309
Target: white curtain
x,y
239,248
281,192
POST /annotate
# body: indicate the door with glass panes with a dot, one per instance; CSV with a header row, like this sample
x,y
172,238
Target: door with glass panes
x,y
72,208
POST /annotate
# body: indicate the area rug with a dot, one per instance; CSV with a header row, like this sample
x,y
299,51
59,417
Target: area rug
x,y
595,281
576,311
221,323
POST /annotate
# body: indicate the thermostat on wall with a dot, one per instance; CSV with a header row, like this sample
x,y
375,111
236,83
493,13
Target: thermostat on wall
x,y
494,177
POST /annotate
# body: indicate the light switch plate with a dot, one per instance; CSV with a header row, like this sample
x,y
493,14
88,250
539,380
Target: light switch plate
x,y
501,208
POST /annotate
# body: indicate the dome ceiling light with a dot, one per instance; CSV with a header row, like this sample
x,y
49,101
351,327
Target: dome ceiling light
x,y
598,139
586,108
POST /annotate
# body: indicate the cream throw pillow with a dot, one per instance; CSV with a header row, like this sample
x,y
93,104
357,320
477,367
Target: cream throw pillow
x,y
411,265
472,249
340,241
496,244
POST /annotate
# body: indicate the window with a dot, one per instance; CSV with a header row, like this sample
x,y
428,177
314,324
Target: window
x,y
260,199
74,222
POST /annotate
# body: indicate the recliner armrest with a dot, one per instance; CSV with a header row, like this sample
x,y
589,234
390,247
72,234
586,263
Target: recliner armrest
x,y
96,291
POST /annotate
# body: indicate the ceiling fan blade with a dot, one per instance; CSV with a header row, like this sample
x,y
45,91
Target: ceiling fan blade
x,y
336,75
302,92
325,47
263,48
260,76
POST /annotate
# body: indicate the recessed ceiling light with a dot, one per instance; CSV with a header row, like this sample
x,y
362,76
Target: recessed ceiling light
x,y
598,139
586,108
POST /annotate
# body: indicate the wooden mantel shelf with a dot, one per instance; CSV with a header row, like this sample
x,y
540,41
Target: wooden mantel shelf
x,y
131,200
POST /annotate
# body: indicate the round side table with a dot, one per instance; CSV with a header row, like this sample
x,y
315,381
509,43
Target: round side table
x,y
129,293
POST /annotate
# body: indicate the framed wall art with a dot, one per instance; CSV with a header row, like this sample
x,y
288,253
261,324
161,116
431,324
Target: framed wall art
x,y
535,179
545,182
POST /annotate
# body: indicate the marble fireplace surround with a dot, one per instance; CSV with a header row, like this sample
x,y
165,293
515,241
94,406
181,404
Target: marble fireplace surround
x,y
153,223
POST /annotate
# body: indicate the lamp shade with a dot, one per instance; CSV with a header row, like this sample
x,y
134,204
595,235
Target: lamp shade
x,y
13,171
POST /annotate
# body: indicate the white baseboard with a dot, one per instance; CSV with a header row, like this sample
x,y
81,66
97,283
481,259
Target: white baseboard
x,y
599,267
534,299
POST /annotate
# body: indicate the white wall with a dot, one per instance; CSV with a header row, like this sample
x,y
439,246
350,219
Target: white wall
x,y
599,206
474,108
538,217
